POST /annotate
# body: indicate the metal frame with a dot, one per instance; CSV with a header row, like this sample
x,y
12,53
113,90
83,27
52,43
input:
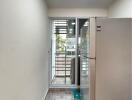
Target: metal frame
x,y
92,58
76,53
50,52
50,69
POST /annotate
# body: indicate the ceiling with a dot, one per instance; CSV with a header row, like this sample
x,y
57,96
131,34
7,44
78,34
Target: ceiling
x,y
79,3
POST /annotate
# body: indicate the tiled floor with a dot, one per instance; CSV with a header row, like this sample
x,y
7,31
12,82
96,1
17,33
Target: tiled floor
x,y
60,95
61,80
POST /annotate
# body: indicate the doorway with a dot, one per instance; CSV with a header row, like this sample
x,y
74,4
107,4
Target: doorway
x,y
63,50
70,53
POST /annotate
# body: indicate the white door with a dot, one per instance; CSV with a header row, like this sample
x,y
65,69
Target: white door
x,y
113,59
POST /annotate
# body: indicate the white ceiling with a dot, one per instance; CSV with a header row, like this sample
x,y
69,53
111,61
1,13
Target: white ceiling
x,y
79,3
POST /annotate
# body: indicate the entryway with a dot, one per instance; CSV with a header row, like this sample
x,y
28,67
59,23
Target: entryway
x,y
72,52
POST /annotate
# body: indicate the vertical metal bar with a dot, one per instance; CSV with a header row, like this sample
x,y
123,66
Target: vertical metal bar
x,y
65,65
76,52
55,63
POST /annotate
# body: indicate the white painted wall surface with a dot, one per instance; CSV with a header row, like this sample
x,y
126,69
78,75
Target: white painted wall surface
x,y
131,58
121,9
76,12
23,50
113,60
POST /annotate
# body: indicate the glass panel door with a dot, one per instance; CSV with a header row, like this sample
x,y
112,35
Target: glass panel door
x,y
63,51
84,48
86,43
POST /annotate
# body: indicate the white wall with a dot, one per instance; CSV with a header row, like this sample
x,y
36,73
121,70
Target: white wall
x,y
23,49
113,60
76,12
131,59
121,9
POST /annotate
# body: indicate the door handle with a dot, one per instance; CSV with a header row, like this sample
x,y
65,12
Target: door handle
x,y
90,57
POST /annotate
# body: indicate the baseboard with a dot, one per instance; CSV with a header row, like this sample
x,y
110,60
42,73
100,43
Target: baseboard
x,y
44,97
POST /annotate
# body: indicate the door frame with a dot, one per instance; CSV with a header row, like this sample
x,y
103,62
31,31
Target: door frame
x,y
50,58
92,54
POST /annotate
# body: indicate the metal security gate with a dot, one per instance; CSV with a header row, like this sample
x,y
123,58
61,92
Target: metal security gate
x,y
63,37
